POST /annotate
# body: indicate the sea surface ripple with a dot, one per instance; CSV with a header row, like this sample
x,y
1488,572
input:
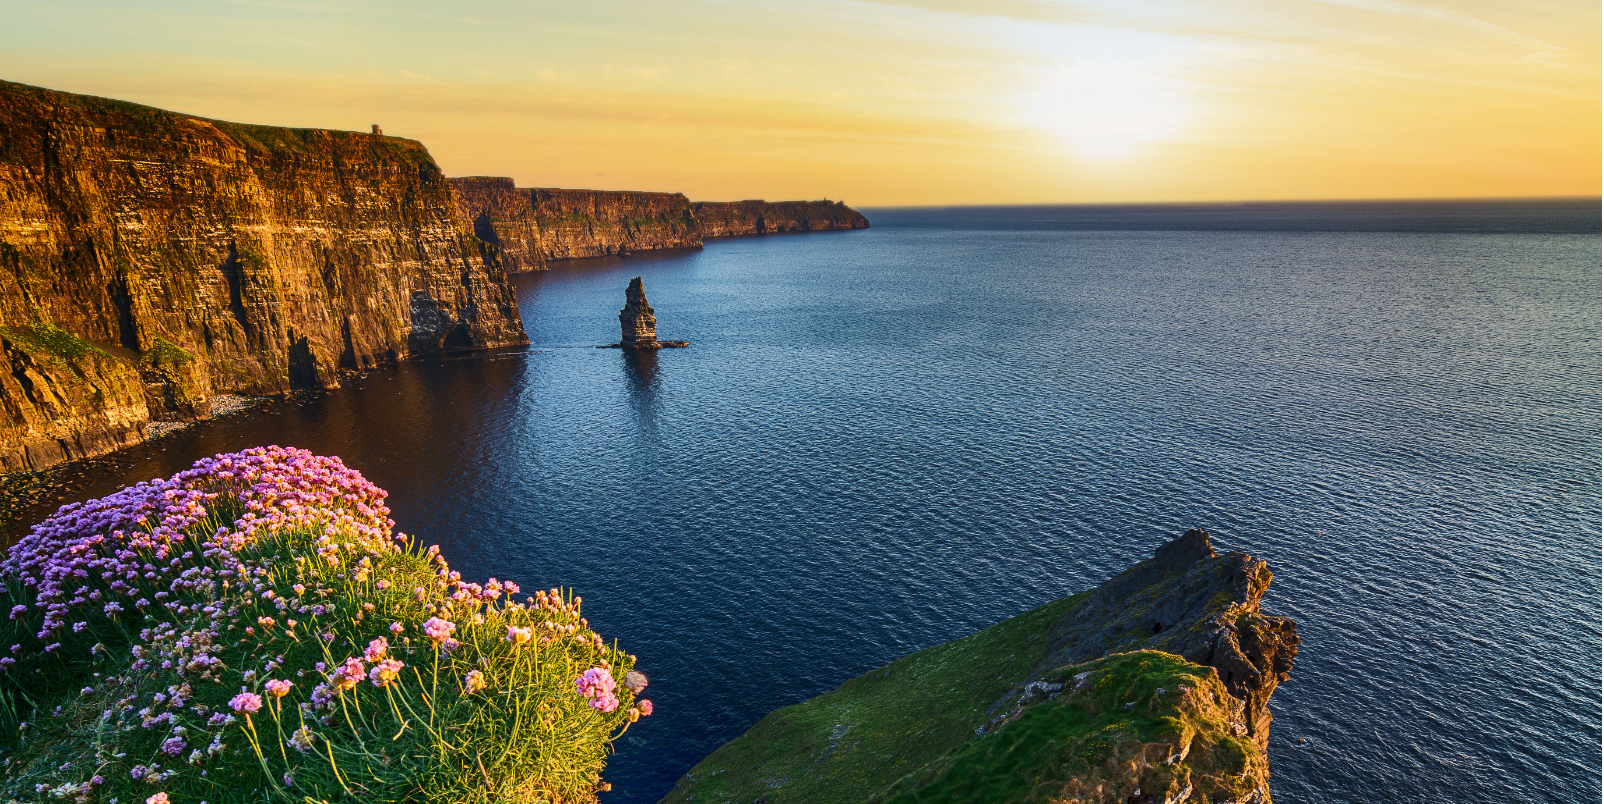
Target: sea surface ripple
x,y
885,439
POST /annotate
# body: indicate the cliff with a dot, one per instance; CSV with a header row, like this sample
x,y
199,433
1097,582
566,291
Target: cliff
x,y
149,260
736,218
1151,688
535,225
532,226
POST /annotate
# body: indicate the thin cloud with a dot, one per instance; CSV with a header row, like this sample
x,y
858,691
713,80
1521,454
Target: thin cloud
x,y
1544,52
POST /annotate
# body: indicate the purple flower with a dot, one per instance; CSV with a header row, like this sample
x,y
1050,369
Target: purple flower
x,y
173,746
246,702
278,687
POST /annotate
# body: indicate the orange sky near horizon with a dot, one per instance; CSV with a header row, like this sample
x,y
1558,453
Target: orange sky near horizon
x,y
894,102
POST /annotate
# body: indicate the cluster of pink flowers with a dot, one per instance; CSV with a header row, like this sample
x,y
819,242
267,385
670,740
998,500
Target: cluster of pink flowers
x,y
154,546
181,563
597,684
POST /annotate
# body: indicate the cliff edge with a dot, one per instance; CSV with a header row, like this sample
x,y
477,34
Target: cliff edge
x,y
533,225
1152,688
738,218
149,260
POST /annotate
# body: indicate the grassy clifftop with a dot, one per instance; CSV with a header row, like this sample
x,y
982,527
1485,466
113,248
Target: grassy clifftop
x,y
882,725
1069,702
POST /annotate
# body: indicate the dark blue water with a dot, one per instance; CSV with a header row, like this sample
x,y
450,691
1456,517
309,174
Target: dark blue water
x,y
884,439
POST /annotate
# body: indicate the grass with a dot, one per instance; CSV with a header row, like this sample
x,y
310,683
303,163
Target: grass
x,y
907,732
879,726
43,338
163,352
1103,743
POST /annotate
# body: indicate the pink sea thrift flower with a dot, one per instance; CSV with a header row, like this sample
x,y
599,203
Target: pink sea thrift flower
x,y
385,673
605,702
645,706
595,682
520,636
473,682
377,649
397,628
439,630
348,675
159,798
278,687
246,702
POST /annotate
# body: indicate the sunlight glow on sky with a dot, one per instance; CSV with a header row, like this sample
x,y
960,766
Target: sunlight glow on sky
x,y
888,102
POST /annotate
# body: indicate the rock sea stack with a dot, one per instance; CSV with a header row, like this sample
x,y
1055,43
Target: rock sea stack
x,y
638,323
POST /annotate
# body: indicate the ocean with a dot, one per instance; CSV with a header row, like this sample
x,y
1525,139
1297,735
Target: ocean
x,y
884,439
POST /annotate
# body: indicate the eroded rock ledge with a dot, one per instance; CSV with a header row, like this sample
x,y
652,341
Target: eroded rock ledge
x,y
1151,689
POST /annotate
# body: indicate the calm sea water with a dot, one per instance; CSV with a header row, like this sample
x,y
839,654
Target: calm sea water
x,y
885,439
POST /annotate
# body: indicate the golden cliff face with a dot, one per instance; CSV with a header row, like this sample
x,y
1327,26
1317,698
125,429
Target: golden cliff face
x,y
532,226
737,218
149,260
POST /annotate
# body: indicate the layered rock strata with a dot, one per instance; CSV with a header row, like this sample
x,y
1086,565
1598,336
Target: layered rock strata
x,y
737,218
149,260
1192,602
534,225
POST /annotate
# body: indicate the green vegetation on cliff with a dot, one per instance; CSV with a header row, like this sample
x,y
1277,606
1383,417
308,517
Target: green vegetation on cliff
x,y
1113,695
1130,722
45,339
881,725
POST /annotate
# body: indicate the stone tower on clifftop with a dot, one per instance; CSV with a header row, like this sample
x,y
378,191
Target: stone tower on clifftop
x,y
637,320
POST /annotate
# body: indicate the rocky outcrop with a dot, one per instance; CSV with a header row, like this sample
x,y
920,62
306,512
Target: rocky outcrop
x,y
1150,689
637,320
1189,601
737,218
534,225
149,260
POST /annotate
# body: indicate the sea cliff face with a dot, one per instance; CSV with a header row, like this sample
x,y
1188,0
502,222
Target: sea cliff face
x,y
534,225
1151,689
149,260
736,218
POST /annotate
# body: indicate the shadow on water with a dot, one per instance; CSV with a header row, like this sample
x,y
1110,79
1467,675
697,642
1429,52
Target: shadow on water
x,y
641,373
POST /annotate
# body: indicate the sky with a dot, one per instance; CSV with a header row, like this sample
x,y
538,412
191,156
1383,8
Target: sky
x,y
895,102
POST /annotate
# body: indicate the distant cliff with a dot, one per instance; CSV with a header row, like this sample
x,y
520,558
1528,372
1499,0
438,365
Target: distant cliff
x,y
149,260
533,225
735,218
1151,689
